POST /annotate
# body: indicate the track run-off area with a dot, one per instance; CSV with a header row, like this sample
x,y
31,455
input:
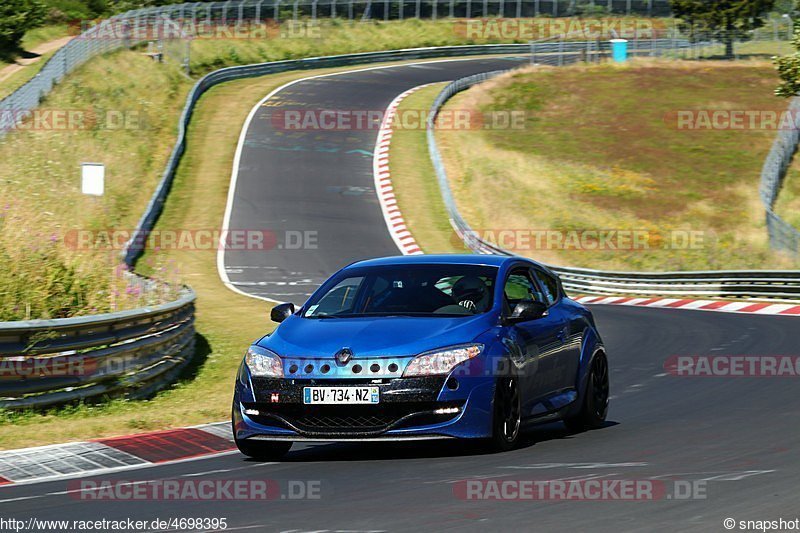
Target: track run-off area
x,y
722,447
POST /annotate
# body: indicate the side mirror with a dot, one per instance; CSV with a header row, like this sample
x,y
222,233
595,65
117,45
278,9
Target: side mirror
x,y
281,312
525,311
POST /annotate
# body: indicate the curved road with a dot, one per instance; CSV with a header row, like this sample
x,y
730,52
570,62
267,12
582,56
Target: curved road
x,y
734,440
315,187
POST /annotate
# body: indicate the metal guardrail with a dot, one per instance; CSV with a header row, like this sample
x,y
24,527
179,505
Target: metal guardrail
x,y
137,26
133,248
45,362
756,285
55,361
782,235
399,9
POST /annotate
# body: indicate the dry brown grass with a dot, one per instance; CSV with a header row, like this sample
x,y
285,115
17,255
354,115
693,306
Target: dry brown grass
x,y
601,156
226,322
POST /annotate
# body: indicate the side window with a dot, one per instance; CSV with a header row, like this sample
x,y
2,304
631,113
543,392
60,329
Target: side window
x,y
520,288
549,285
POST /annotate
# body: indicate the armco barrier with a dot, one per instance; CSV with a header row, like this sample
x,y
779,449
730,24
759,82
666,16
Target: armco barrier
x,y
45,362
758,284
572,53
154,208
782,235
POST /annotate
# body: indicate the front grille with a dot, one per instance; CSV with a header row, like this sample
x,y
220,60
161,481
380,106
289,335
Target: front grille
x,y
320,420
339,423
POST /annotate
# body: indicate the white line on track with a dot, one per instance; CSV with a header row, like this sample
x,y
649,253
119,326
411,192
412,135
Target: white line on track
x,y
221,270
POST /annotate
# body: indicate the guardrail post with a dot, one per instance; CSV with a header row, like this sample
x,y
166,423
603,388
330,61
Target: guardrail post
x,y
485,8
225,12
561,51
469,8
418,9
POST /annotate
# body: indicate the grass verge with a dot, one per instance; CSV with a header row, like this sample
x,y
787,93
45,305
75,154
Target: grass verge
x,y
128,108
226,322
414,181
608,155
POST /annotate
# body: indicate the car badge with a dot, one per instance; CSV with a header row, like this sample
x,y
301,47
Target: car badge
x,y
343,356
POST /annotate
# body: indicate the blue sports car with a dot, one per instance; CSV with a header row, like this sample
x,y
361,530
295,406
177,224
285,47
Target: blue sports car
x,y
423,347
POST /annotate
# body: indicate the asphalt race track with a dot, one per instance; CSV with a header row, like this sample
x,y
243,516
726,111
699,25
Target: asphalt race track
x,y
742,435
733,440
316,186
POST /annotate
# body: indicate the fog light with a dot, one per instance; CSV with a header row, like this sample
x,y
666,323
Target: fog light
x,y
251,412
446,411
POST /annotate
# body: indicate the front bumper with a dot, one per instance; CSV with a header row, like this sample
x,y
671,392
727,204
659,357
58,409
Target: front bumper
x,y
409,409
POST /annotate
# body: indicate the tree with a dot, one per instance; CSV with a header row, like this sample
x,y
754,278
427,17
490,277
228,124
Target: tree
x,y
16,18
789,66
723,20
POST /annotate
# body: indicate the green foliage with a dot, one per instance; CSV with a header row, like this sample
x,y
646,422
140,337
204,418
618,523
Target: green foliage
x,y
591,10
17,17
789,66
723,20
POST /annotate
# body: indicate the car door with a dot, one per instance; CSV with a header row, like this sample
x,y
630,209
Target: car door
x,y
567,360
535,342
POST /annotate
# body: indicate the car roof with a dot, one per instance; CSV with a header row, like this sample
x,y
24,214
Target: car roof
x,y
434,259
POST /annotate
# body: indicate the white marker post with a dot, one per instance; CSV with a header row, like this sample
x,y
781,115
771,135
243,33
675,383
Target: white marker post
x,y
93,176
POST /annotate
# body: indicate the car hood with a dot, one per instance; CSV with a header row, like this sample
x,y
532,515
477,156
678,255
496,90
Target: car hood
x,y
372,337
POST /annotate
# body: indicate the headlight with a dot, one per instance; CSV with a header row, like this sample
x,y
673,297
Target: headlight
x,y
442,361
263,363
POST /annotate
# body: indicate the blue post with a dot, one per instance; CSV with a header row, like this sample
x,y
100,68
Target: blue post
x,y
619,50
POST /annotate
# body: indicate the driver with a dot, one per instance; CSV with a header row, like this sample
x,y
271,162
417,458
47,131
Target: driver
x,y
471,293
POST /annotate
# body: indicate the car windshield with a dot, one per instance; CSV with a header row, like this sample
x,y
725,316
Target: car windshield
x,y
442,290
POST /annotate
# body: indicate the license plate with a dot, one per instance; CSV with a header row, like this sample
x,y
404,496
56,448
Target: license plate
x,y
340,395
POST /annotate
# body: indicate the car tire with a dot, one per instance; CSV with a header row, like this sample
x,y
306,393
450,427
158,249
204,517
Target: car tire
x,y
595,404
262,450
506,415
